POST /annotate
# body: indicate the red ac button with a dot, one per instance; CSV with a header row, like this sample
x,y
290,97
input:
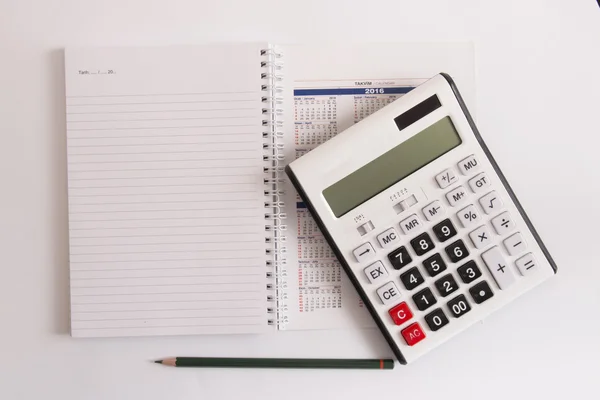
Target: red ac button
x,y
413,334
400,313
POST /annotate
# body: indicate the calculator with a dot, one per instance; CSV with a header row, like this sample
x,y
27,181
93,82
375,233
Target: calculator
x,y
421,218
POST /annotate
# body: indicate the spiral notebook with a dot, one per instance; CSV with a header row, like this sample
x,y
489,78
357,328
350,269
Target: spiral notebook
x,y
180,217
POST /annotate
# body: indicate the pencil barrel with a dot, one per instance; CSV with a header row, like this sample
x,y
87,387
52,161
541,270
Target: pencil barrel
x,y
284,363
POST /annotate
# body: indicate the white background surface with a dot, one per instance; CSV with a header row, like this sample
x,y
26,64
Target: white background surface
x,y
538,106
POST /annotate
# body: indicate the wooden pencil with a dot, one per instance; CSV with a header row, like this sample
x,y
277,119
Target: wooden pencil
x,y
306,363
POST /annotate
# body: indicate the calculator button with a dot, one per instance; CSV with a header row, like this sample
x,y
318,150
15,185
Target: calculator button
x,y
365,228
498,267
457,251
468,216
481,292
469,272
412,278
446,285
459,306
413,334
444,230
388,293
434,210
436,319
376,272
388,238
399,257
515,244
400,313
422,244
468,165
364,252
446,178
479,183
456,196
434,265
503,223
490,203
481,237
410,224
424,299
526,264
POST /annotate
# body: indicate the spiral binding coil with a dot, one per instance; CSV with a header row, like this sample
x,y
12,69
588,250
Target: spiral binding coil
x,y
273,157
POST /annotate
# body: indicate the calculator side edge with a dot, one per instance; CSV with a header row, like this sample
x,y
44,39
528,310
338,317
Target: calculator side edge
x,y
487,152
341,259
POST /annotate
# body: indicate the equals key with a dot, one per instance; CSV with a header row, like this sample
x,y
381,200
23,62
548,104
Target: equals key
x,y
526,264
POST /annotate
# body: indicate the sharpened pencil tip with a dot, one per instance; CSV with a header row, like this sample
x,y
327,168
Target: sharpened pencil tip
x,y
158,361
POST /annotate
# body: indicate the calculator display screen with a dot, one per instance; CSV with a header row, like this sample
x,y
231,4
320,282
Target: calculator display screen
x,y
392,166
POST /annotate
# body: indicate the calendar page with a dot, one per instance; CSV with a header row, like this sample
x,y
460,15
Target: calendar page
x,y
319,293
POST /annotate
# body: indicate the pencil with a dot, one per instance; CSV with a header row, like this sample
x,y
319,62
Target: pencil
x,y
306,363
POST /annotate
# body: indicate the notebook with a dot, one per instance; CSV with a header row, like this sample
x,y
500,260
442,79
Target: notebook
x,y
181,220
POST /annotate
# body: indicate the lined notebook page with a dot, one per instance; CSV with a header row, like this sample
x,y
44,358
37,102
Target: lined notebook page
x,y
166,204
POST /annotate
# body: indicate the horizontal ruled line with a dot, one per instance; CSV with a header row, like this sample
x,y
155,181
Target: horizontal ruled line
x,y
164,276
158,144
167,194
164,102
158,94
161,318
152,186
161,327
167,309
164,301
152,235
168,259
159,161
167,268
160,119
170,284
161,136
161,177
162,293
161,111
170,152
159,244
183,209
158,127
158,252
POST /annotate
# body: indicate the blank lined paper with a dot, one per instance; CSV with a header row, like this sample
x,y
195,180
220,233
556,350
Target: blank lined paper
x,y
166,204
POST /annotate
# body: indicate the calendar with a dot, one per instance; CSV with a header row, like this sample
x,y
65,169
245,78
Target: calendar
x,y
321,110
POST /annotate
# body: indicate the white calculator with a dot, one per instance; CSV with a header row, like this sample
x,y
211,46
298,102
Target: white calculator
x,y
421,218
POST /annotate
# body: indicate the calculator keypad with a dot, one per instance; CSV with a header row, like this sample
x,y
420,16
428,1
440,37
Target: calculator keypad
x,y
442,267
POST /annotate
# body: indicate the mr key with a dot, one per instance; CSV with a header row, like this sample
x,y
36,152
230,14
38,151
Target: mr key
x,y
442,240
